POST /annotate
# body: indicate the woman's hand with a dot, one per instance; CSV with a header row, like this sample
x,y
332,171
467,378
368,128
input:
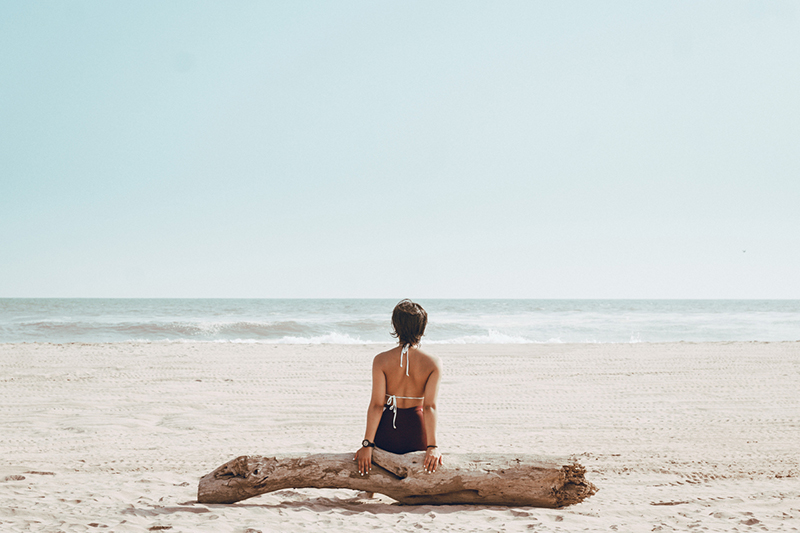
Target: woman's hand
x,y
364,459
433,458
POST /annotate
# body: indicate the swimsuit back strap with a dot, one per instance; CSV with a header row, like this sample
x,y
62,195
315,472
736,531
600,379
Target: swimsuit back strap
x,y
404,352
391,404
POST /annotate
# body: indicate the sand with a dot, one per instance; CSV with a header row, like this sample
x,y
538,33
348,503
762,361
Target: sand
x,y
678,436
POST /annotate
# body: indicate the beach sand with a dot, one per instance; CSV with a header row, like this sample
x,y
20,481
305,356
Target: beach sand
x,y
677,436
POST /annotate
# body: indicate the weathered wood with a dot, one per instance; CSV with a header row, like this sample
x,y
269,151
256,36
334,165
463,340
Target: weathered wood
x,y
519,480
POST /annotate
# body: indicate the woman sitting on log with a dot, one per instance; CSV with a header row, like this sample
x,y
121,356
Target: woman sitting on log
x,y
401,417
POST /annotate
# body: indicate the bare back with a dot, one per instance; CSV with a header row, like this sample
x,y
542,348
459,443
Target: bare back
x,y
409,389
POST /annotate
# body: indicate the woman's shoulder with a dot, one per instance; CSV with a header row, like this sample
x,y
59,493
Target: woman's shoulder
x,y
430,360
383,357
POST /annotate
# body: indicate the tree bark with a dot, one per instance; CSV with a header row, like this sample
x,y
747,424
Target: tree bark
x,y
521,480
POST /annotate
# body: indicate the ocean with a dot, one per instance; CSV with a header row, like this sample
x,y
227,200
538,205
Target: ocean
x,y
351,321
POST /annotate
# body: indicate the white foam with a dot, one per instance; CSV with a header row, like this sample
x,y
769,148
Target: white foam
x,y
330,338
492,337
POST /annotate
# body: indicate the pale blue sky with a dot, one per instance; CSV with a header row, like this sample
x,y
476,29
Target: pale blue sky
x,y
393,149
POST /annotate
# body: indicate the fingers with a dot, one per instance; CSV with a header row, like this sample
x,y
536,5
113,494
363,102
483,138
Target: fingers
x,y
359,463
430,464
364,464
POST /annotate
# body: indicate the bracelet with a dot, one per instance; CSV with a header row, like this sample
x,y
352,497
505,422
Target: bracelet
x,y
432,446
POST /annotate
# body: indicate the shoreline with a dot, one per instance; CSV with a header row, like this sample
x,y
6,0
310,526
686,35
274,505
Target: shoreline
x,y
389,343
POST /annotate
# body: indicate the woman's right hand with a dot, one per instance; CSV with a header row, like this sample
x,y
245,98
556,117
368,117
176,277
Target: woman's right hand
x,y
433,458
364,459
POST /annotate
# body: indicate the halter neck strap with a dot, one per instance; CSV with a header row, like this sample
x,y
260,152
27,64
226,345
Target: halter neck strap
x,y
404,352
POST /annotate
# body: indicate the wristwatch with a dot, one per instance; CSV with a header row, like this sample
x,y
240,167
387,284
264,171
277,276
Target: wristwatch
x,y
367,444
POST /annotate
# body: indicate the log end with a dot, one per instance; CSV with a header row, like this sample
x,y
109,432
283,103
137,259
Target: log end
x,y
575,488
236,480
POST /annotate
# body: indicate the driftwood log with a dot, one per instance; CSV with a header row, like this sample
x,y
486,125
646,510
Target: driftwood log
x,y
522,480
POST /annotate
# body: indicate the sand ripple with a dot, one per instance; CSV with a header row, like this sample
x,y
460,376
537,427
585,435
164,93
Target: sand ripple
x,y
677,436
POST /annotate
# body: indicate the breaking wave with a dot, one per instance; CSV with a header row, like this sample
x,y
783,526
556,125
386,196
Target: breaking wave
x,y
368,321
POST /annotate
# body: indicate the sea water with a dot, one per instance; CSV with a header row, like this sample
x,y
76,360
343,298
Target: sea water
x,y
350,321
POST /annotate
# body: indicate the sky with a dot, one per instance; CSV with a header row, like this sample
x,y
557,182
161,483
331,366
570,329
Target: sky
x,y
400,149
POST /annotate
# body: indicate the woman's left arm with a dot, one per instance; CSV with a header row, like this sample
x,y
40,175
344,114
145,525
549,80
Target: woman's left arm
x,y
433,457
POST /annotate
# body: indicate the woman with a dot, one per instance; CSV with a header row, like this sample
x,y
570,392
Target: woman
x,y
401,417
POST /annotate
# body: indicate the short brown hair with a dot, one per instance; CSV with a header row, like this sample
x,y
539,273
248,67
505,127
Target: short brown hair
x,y
409,320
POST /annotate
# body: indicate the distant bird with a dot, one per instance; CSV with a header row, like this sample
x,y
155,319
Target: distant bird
x,y
744,251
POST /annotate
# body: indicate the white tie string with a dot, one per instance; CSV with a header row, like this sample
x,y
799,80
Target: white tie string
x,y
391,404
404,353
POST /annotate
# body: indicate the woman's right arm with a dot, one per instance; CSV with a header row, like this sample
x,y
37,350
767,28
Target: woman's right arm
x,y
374,412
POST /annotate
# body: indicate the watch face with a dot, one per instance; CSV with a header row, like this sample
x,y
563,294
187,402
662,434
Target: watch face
x,y
365,443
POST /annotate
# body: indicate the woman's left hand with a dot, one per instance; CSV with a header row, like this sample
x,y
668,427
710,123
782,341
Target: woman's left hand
x,y
364,459
433,458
